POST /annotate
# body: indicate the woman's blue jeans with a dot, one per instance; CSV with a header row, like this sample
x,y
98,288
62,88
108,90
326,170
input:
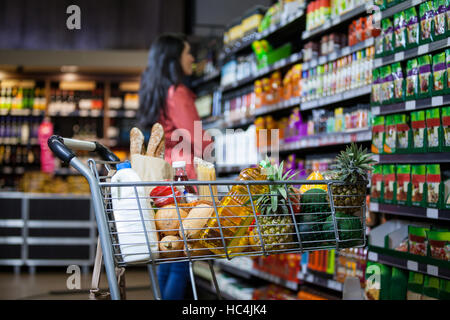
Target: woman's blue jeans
x,y
173,279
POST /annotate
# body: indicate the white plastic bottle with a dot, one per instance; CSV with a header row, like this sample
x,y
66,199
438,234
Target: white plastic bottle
x,y
127,216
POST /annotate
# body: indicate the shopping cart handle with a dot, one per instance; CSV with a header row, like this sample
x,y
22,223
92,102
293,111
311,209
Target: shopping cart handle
x,y
62,148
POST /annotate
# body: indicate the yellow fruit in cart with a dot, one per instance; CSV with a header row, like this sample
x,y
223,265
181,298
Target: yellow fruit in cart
x,y
313,176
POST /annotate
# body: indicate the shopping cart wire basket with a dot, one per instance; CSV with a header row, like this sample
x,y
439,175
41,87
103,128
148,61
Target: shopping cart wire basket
x,y
219,224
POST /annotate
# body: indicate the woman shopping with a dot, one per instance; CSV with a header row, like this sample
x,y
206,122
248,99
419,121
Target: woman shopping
x,y
165,99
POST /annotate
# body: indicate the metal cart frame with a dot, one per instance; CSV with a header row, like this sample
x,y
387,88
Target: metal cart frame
x,y
101,201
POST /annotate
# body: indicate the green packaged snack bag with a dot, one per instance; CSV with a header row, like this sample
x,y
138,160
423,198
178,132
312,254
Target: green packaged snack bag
x,y
415,286
434,130
430,288
379,46
426,14
418,185
447,4
434,185
378,132
403,184
425,76
439,244
446,128
376,85
418,128
399,82
387,85
412,28
417,240
376,188
389,184
412,79
440,26
447,64
403,143
399,284
439,74
388,36
399,31
390,140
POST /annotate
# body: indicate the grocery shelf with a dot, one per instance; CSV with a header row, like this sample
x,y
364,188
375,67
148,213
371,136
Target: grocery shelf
x,y
399,7
431,157
241,45
285,104
293,58
413,52
78,113
324,140
411,262
436,101
336,21
22,112
12,170
418,212
309,277
338,54
205,79
346,95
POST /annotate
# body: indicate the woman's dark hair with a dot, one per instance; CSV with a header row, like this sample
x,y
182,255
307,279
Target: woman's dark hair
x,y
163,70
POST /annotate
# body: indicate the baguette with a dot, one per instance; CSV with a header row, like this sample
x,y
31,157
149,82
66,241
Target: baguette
x,y
160,151
156,137
136,141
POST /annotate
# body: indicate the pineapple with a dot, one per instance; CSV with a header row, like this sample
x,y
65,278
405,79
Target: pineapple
x,y
352,167
275,220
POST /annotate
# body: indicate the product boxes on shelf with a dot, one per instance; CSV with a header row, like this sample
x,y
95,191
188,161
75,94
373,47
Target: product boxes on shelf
x,y
426,22
404,134
412,79
418,128
389,184
425,76
390,140
439,244
417,240
434,130
378,133
412,28
399,83
418,180
435,188
440,26
376,188
439,74
446,128
404,184
415,286
381,290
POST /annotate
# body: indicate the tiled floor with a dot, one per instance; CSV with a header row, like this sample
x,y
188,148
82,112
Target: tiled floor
x,y
51,285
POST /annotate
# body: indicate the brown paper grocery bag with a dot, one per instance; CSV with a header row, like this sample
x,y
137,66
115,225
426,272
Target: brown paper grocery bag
x,y
151,169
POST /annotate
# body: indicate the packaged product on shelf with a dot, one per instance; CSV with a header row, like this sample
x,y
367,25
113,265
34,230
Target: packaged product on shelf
x,y
434,130
399,284
388,36
376,87
258,89
446,128
446,191
387,85
444,289
296,80
430,288
287,86
399,82
447,64
418,178
412,27
412,79
403,143
417,240
434,186
389,183
376,188
379,46
425,76
439,243
418,128
415,286
399,31
277,88
440,26
403,184
426,14
378,133
390,140
377,272
380,4
439,74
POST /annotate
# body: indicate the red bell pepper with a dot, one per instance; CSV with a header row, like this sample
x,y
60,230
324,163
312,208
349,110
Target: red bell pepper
x,y
163,196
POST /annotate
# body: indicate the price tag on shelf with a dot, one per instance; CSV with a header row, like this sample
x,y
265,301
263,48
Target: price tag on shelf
x,y
437,101
374,206
412,265
310,278
332,56
416,2
322,60
345,51
410,105
432,213
399,56
432,270
326,25
423,49
375,110
295,57
373,256
272,28
377,63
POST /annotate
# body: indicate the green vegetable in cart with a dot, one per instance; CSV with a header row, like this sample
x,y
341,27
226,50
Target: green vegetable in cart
x,y
439,73
425,75
399,82
418,126
433,185
349,228
440,10
314,201
433,128
412,27
400,31
426,21
418,178
439,242
412,79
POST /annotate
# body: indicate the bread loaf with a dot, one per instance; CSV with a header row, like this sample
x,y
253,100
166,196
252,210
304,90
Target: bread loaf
x,y
161,149
136,141
156,137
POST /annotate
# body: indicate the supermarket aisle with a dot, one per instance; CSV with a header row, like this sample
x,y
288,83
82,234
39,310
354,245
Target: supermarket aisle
x,y
51,285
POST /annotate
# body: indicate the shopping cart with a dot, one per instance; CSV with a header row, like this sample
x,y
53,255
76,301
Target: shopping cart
x,y
224,222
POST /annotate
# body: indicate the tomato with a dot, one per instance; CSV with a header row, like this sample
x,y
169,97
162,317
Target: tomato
x,y
163,195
